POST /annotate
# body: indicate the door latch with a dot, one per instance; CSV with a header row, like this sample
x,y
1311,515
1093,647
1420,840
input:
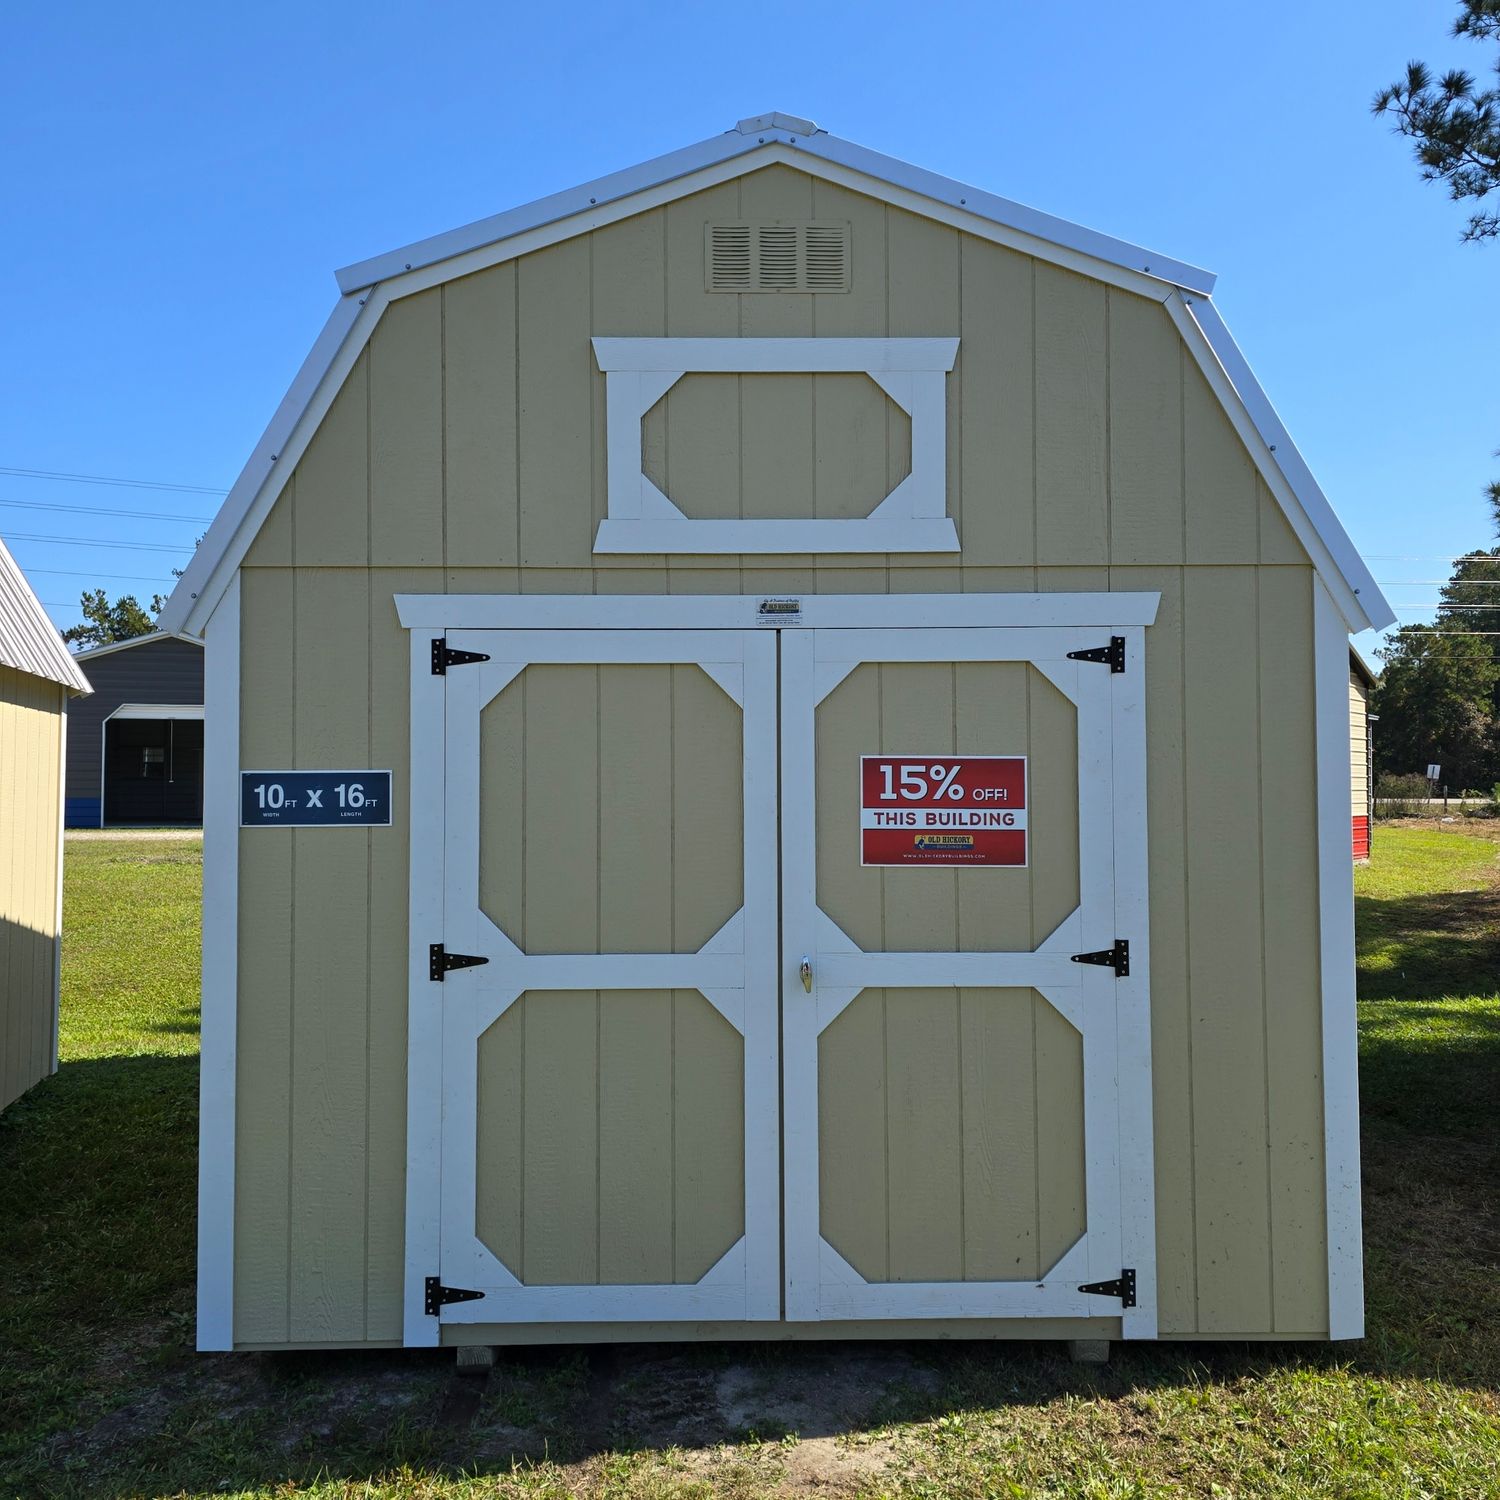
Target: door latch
x,y
805,973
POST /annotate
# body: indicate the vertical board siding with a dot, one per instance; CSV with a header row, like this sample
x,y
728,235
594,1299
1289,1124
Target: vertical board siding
x,y
998,708
610,817
610,1138
1289,868
31,710
267,930
479,418
330,965
465,452
950,1135
1226,950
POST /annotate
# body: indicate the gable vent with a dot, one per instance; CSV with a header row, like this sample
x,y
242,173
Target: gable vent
x,y
777,257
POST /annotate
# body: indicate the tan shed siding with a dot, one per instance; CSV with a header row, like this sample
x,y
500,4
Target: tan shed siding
x,y
466,453
31,710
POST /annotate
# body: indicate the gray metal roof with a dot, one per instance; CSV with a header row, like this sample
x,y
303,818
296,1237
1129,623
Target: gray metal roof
x,y
29,641
136,640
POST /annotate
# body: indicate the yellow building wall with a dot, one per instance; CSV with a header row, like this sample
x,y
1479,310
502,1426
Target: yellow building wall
x,y
31,727
465,453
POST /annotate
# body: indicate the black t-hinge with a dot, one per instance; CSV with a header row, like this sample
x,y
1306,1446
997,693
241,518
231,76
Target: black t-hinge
x,y
1124,1288
439,961
1112,655
445,656
1116,958
439,1296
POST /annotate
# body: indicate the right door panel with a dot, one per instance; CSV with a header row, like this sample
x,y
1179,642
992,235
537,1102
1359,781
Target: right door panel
x,y
952,1114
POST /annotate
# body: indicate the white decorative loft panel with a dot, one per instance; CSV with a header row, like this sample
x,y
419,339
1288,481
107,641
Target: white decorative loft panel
x,y
912,372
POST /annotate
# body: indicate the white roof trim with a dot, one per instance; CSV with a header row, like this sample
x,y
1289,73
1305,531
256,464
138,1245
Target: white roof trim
x,y
207,575
1363,665
752,144
157,711
1285,471
750,138
29,641
135,640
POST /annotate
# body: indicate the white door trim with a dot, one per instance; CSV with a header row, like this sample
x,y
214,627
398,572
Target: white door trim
x,y
1111,1013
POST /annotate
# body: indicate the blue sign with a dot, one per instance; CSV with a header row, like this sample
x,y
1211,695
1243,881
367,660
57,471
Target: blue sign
x,y
314,799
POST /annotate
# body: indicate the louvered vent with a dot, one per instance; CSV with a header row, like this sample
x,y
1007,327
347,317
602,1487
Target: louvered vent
x,y
777,257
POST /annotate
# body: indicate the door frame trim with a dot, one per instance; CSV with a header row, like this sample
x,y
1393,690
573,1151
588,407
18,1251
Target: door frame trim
x,y
1098,609
420,613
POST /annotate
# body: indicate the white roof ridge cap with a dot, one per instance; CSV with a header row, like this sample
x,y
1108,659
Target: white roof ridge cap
x,y
776,120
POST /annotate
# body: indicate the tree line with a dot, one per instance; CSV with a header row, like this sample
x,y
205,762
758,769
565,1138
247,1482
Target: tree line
x,y
1438,697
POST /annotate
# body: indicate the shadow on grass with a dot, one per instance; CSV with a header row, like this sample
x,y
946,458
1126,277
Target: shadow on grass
x,y
1416,947
101,1393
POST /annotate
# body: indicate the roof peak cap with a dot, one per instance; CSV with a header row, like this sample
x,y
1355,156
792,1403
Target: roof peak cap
x,y
776,120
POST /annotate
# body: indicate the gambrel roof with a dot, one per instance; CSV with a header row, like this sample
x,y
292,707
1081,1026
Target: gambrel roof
x,y
762,140
29,641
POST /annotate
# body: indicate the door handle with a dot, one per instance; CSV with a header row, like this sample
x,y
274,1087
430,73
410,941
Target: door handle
x,y
805,971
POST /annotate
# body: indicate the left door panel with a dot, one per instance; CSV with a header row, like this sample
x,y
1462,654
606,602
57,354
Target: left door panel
x,y
608,1075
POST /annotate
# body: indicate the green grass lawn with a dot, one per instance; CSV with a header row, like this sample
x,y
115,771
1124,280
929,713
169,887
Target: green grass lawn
x,y
102,1396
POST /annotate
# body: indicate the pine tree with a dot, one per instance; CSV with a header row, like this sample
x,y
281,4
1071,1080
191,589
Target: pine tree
x,y
1453,124
104,623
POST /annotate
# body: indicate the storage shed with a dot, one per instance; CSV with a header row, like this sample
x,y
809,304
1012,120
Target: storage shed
x,y
37,677
1361,755
637,652
135,748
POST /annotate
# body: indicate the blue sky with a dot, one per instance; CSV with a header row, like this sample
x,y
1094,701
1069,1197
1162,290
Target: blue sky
x,y
181,181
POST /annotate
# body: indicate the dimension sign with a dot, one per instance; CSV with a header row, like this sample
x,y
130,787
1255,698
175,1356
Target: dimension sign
x,y
942,810
314,799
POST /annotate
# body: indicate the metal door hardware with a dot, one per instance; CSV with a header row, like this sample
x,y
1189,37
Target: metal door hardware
x,y
1112,655
1116,958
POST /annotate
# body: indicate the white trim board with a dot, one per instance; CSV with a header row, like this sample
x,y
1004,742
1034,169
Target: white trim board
x,y
221,860
1346,1284
1275,455
1100,610
371,286
642,518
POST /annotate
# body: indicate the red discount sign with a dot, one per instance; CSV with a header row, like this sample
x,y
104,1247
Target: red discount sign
x,y
942,810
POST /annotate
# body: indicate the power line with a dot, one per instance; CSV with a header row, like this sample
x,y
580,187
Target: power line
x,y
129,484
104,510
86,541
90,573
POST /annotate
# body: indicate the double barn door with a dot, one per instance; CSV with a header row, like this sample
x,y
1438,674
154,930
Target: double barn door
x,y
757,993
